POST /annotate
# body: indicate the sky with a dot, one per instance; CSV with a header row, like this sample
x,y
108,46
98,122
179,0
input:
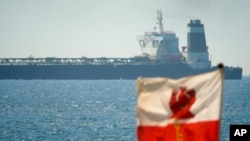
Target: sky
x,y
108,28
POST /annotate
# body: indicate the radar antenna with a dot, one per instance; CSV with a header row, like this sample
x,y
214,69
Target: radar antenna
x,y
159,21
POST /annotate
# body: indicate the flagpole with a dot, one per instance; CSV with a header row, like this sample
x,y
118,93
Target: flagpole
x,y
220,66
221,69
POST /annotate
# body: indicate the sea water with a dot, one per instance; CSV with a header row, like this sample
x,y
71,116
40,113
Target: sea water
x,y
91,110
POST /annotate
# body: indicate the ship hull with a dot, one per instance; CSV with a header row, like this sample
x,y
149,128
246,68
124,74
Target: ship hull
x,y
95,72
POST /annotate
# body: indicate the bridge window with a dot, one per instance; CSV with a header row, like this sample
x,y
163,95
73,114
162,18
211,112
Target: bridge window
x,y
153,43
142,43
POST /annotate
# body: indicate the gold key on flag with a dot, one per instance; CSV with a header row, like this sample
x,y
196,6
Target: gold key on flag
x,y
185,109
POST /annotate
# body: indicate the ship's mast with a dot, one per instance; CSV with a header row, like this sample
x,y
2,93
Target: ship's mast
x,y
159,21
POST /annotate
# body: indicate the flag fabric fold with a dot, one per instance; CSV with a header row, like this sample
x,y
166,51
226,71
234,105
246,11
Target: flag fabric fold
x,y
185,109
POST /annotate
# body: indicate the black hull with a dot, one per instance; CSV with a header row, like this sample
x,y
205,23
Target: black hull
x,y
95,72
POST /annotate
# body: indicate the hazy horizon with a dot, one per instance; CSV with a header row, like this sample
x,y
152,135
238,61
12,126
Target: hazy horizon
x,y
95,28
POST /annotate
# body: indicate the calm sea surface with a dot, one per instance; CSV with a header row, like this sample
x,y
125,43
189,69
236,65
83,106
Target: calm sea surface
x,y
91,110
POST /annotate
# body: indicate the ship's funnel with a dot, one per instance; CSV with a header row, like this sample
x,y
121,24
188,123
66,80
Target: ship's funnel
x,y
197,55
196,37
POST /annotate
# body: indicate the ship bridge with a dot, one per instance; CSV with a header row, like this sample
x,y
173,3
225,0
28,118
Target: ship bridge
x,y
162,45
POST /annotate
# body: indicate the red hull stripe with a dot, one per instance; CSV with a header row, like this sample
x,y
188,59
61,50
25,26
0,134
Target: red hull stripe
x,y
200,131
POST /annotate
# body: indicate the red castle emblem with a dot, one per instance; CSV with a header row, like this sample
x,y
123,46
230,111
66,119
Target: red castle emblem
x,y
181,102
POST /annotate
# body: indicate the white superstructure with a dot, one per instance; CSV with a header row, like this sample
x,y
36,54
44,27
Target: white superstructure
x,y
162,45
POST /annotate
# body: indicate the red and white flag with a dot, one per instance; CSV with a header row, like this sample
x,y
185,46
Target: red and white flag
x,y
186,109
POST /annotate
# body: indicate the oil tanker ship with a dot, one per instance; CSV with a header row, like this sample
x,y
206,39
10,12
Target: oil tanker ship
x,y
160,57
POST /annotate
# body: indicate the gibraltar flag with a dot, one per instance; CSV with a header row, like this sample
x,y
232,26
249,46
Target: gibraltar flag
x,y
186,109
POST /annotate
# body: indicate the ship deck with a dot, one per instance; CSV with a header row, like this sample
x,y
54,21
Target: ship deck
x,y
75,61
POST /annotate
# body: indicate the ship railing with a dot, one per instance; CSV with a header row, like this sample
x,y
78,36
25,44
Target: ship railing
x,y
75,61
80,63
